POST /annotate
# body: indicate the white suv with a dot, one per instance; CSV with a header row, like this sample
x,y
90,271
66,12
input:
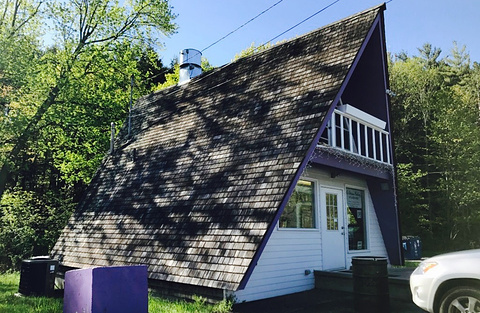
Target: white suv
x,y
448,283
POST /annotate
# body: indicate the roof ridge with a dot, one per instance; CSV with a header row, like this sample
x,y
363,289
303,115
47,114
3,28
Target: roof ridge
x,y
382,6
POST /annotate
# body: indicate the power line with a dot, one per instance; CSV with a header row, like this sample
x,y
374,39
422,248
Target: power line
x,y
230,33
296,25
258,15
233,31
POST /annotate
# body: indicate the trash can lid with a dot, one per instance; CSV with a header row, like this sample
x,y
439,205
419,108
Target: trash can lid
x,y
369,258
41,257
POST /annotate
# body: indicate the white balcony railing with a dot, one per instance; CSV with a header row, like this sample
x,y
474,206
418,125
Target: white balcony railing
x,y
358,132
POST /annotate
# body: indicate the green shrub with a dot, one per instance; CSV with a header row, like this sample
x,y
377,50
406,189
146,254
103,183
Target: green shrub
x,y
30,224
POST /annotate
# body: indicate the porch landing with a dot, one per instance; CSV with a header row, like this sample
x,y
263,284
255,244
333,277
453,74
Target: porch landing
x,y
398,281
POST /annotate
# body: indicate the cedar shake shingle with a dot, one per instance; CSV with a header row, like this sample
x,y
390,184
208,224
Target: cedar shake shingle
x,y
193,192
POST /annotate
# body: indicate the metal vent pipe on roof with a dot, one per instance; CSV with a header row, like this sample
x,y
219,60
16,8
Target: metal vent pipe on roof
x,y
190,65
112,137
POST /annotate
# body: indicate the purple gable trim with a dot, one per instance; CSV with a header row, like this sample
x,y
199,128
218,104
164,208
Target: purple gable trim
x,y
387,86
309,154
398,254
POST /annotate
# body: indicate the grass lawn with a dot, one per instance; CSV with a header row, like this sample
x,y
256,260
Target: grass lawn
x,y
10,303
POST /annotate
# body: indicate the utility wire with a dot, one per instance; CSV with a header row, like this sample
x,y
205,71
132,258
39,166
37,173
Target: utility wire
x,y
233,31
261,13
230,33
236,29
298,24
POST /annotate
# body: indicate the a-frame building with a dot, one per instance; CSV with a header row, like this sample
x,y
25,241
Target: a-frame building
x,y
250,176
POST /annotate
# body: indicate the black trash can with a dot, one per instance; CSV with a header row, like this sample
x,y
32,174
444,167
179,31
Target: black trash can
x,y
370,284
412,247
37,277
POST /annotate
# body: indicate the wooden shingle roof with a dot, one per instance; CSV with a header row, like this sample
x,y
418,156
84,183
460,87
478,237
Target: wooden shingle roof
x,y
194,190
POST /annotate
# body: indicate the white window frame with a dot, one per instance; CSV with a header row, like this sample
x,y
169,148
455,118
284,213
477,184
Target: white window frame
x,y
316,206
367,219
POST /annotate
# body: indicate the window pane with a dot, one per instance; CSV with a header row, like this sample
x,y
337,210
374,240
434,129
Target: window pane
x,y
299,211
332,211
356,219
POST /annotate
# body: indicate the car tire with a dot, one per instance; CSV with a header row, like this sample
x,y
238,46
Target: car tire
x,y
461,299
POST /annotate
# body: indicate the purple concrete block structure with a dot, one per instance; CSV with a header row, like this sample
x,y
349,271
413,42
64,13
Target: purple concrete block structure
x,y
122,289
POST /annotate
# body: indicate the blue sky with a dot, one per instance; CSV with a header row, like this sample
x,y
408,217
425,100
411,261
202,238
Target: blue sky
x,y
409,24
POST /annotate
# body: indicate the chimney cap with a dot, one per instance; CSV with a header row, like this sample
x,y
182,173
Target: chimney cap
x,y
190,56
190,65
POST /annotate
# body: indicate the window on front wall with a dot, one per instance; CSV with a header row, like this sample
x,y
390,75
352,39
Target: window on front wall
x,y
331,205
300,209
356,219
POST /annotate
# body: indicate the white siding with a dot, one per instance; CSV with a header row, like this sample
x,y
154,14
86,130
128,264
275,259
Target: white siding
x,y
289,253
281,267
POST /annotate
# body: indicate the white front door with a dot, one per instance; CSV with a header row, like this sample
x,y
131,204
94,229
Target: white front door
x,y
333,228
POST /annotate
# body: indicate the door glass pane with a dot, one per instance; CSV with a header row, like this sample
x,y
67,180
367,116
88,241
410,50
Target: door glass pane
x,y
300,210
332,211
356,219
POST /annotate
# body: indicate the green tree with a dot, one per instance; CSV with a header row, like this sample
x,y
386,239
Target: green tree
x,y
30,224
457,67
20,56
429,55
418,85
251,50
415,217
458,133
435,115
57,103
87,33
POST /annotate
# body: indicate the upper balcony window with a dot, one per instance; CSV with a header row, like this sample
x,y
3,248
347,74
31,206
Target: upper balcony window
x,y
358,132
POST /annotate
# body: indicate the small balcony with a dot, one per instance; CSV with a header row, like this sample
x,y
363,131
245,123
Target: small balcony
x,y
355,131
